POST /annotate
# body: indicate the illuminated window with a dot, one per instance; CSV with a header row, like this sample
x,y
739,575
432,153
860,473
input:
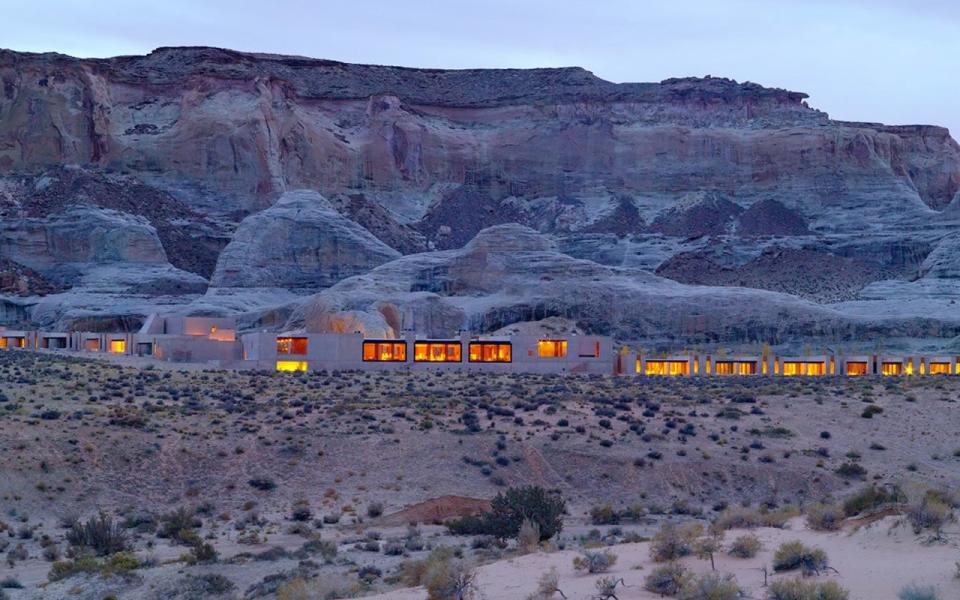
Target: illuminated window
x,y
213,329
436,352
708,369
796,367
891,368
736,367
385,351
118,346
766,367
3,342
908,368
491,352
939,368
856,368
91,345
292,345
552,348
291,365
671,368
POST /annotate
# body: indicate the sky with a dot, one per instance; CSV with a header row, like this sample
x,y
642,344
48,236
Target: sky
x,y
890,61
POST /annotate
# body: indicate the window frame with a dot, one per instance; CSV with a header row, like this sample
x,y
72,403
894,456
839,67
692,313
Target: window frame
x,y
394,343
447,345
480,344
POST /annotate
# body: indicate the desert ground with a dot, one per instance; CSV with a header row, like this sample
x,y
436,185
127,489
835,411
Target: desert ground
x,y
327,485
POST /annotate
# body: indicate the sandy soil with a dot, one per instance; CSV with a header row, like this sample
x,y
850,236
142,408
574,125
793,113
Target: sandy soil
x,y
873,563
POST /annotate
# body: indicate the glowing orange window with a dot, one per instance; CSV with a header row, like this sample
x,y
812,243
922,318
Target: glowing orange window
x,y
292,345
118,346
491,352
552,348
856,368
891,368
436,352
939,368
385,351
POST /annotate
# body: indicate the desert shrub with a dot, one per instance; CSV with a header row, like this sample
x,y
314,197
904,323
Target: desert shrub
x,y
508,511
264,484
67,568
414,572
374,509
99,534
201,552
604,515
607,588
666,580
528,538
179,525
672,541
794,555
872,498
739,517
710,586
871,410
594,562
745,546
824,517
930,513
10,583
849,470
450,580
918,592
328,585
798,589
548,586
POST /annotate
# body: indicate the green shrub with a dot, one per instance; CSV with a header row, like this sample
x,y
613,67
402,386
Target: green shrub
x,y
672,541
67,568
824,517
508,511
594,562
798,589
710,586
918,592
794,555
871,498
666,580
745,546
99,534
871,410
414,572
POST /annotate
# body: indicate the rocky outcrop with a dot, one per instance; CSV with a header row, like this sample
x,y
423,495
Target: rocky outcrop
x,y
694,177
18,280
299,242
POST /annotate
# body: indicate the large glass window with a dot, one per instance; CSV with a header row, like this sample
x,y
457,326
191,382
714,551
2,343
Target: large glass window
x,y
891,368
856,368
436,352
736,367
667,367
491,352
118,346
795,367
91,345
292,345
939,368
385,351
552,348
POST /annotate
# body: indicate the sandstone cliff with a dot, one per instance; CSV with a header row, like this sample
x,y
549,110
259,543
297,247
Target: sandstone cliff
x,y
711,181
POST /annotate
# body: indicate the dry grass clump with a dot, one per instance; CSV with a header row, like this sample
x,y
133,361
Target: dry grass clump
x,y
918,592
798,589
666,580
931,513
328,585
740,517
594,562
745,546
824,517
873,498
548,587
794,555
710,586
674,541
450,580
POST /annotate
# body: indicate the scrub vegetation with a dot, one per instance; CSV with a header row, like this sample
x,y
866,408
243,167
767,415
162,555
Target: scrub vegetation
x,y
169,483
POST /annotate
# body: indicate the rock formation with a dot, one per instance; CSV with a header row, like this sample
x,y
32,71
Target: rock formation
x,y
706,180
299,242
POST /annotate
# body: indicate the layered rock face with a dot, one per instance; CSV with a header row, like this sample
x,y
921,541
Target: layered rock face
x,y
299,242
706,181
